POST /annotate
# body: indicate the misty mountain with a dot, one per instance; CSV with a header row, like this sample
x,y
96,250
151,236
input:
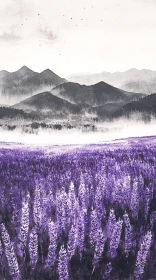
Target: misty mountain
x,y
132,80
146,106
44,79
25,82
48,105
144,86
95,95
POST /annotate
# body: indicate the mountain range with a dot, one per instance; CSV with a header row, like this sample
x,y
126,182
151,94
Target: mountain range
x,y
45,105
94,95
74,99
67,100
25,82
132,80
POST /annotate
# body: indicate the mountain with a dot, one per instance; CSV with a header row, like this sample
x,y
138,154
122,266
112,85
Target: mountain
x,y
48,105
25,82
69,100
95,95
44,79
146,106
132,80
13,80
23,73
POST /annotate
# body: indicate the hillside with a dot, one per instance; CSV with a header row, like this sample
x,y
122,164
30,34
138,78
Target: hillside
x,y
146,106
49,105
73,99
95,95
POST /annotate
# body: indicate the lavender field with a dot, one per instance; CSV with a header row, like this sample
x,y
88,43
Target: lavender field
x,y
83,213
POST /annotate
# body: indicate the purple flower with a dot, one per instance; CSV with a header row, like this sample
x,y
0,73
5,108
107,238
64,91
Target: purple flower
x,y
111,223
72,241
23,233
142,255
147,198
2,196
72,201
94,225
99,203
1,250
81,193
60,213
33,247
80,232
117,191
134,202
128,234
10,254
52,244
51,202
63,212
152,218
63,264
115,238
126,190
66,207
108,270
99,247
37,208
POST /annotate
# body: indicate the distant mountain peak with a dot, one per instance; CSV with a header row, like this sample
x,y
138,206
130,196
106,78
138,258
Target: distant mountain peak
x,y
103,86
24,69
102,83
47,73
52,77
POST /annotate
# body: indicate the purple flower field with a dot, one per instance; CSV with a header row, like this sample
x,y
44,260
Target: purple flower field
x,y
86,214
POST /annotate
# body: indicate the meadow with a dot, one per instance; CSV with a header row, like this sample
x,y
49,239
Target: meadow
x,y
86,213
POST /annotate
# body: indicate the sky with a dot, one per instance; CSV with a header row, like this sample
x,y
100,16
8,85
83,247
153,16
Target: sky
x,y
76,36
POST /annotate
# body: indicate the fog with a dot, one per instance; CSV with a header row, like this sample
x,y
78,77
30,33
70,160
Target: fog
x,y
105,132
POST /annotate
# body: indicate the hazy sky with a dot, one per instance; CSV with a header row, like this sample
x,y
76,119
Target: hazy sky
x,y
73,36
